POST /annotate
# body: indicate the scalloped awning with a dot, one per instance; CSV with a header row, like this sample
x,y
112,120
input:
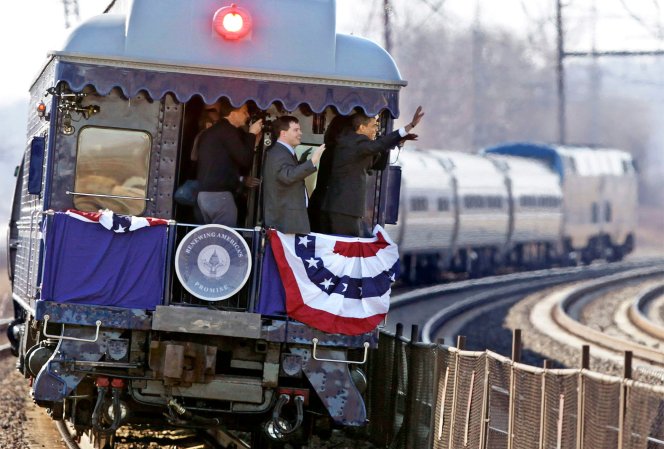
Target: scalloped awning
x,y
264,89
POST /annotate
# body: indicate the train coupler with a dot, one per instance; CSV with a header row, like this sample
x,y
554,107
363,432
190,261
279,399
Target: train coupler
x,y
113,412
280,426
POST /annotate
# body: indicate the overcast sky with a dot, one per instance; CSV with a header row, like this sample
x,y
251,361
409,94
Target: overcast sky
x,y
32,27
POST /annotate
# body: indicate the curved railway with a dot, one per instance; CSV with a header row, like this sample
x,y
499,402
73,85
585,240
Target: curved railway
x,y
566,307
646,311
488,310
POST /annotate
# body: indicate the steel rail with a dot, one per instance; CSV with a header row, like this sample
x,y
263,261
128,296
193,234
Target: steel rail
x,y
572,326
6,348
502,286
637,312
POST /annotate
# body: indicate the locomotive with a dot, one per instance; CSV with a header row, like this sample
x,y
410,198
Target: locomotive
x,y
518,205
111,325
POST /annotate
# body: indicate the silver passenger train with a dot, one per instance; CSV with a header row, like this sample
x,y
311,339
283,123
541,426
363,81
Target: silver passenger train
x,y
109,328
514,205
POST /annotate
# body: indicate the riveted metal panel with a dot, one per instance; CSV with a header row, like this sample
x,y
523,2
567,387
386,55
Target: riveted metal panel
x,y
164,157
28,224
207,322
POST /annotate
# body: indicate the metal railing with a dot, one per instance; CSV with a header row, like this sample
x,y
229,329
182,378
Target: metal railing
x,y
436,396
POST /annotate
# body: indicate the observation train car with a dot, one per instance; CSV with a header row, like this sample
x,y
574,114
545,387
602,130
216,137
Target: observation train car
x,y
599,188
114,324
475,213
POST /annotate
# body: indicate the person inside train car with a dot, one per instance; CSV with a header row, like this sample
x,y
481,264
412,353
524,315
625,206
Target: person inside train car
x,y
208,117
319,219
225,154
355,153
285,196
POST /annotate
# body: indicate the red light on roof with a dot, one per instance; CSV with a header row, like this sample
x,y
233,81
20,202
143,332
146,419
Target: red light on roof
x,y
232,22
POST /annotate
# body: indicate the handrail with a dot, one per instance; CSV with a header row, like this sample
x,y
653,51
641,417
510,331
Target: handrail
x,y
102,195
348,362
63,337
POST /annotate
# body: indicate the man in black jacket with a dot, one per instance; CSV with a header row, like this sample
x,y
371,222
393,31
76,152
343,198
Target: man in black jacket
x,y
225,153
355,153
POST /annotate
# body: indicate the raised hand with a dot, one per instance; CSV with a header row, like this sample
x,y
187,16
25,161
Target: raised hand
x,y
416,117
315,158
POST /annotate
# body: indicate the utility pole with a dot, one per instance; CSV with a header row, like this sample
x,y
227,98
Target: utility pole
x,y
387,10
596,76
595,81
71,12
478,80
561,74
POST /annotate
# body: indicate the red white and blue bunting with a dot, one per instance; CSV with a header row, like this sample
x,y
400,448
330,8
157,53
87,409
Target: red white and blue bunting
x,y
337,284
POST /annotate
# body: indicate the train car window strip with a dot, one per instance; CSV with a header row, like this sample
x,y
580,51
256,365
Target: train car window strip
x,y
419,204
495,202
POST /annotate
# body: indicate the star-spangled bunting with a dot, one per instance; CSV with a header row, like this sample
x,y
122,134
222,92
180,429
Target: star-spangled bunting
x,y
85,263
115,222
336,284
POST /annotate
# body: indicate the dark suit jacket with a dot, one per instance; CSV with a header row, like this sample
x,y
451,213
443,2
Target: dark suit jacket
x,y
353,156
224,152
284,203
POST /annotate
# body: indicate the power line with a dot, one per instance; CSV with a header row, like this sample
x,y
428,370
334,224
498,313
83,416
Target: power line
x,y
658,33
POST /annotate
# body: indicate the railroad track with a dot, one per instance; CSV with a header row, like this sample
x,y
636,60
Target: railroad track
x,y
442,311
640,313
5,349
563,307
146,437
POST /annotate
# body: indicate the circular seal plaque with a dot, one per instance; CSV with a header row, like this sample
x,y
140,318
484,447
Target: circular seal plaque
x,y
213,262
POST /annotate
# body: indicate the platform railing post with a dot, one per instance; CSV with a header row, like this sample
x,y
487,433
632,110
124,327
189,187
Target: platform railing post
x,y
395,378
585,365
627,374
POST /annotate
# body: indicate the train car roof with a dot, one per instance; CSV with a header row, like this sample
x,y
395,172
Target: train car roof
x,y
291,42
588,161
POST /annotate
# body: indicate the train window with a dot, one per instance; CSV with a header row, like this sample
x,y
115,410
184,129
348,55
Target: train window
x,y
419,204
608,213
571,164
494,202
443,204
112,167
629,166
474,202
548,201
595,213
528,201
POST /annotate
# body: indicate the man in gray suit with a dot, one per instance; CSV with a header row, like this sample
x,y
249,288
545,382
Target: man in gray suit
x,y
355,153
284,193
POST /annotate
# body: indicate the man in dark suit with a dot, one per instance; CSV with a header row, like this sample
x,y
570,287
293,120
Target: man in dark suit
x,y
284,193
225,153
355,153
